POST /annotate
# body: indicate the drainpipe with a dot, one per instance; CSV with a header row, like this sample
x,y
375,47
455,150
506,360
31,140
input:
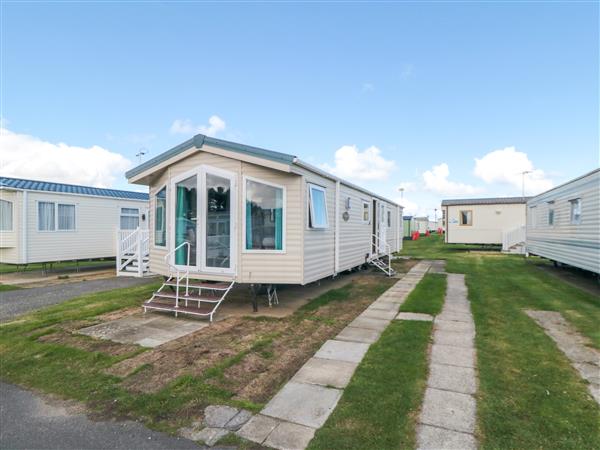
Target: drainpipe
x,y
24,227
336,267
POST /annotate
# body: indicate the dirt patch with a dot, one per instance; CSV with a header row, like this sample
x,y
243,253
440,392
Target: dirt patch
x,y
251,357
89,344
404,265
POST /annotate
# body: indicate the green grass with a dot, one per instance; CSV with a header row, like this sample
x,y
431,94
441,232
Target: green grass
x,y
428,295
529,395
63,265
379,407
8,287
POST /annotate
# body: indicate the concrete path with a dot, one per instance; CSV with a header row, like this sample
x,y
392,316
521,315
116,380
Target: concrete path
x,y
14,303
290,420
447,419
584,358
30,422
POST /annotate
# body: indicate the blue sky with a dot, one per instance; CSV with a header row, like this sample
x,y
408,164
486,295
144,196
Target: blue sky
x,y
412,93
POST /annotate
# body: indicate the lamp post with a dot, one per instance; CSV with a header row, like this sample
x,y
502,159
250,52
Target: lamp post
x,y
401,189
525,172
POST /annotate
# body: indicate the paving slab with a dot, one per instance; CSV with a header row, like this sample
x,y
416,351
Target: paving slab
x,y
414,316
343,351
451,325
378,314
209,435
385,306
302,403
434,438
217,416
326,372
358,335
454,316
450,410
238,420
452,378
454,338
290,436
451,355
457,309
258,428
370,324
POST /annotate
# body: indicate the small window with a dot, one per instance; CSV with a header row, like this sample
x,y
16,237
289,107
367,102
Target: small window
x,y
264,218
576,211
66,217
389,219
6,215
317,205
130,218
160,218
551,214
366,212
466,217
46,216
533,216
348,204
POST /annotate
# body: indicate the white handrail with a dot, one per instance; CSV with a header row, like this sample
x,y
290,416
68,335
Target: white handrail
x,y
132,245
186,273
513,237
388,250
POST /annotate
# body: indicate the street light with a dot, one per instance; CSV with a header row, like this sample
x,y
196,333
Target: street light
x,y
525,172
401,189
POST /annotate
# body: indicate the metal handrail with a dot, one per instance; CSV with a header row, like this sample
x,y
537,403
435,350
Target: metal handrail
x,y
388,251
186,273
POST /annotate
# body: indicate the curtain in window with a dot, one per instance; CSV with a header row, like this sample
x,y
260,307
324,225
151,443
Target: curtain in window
x,y
160,218
278,228
249,243
66,217
180,229
6,212
46,218
264,216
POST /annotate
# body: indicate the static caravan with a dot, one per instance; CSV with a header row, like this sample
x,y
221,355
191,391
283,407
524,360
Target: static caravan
x,y
47,222
563,224
224,213
421,224
409,226
485,220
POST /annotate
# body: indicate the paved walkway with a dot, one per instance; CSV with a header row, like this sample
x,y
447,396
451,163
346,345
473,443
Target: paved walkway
x,y
290,420
448,413
584,358
21,301
30,422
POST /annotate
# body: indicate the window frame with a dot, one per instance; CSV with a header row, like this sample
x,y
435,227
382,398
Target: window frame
x,y
460,224
55,206
165,245
551,213
283,250
121,208
362,212
310,215
388,217
533,216
572,202
12,216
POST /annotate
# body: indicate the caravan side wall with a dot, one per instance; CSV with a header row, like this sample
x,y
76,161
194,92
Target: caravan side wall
x,y
574,244
355,234
10,240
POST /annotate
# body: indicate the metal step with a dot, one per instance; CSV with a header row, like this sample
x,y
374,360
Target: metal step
x,y
201,285
183,298
160,306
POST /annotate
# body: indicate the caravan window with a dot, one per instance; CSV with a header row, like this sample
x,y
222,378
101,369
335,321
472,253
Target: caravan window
x,y
66,217
160,218
533,216
130,218
264,220
550,213
366,212
389,219
576,211
6,215
46,216
317,206
466,217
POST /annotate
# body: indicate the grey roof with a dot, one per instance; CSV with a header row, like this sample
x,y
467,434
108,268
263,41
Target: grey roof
x,y
485,201
199,140
46,186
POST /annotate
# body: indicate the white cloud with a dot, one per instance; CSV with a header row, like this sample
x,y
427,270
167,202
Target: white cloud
x,y
506,166
367,165
23,156
186,126
436,180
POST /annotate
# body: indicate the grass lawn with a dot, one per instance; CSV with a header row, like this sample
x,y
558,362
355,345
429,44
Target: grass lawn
x,y
529,395
238,361
380,406
8,287
428,295
66,265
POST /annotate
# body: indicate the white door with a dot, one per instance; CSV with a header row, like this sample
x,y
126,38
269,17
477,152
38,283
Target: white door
x,y
382,227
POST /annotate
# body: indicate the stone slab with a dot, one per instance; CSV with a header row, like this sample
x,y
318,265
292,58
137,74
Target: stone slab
x,y
384,306
450,410
450,325
239,420
378,314
434,438
305,404
458,308
456,356
258,428
370,324
454,338
358,335
454,316
326,372
210,436
415,316
452,378
217,416
343,351
290,436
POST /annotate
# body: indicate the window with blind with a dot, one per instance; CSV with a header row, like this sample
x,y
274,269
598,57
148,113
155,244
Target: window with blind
x,y
46,216
66,217
56,216
6,215
130,218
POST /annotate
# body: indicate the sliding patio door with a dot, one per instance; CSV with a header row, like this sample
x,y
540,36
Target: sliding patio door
x,y
186,221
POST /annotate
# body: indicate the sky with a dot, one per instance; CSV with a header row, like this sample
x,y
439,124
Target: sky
x,y
444,100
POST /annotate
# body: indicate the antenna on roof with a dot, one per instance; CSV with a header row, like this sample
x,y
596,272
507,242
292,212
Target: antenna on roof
x,y
141,152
